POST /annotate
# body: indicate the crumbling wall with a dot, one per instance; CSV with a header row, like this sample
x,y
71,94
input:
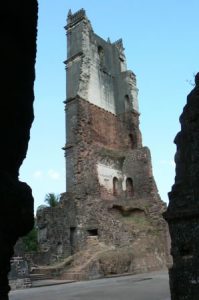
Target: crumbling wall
x,y
92,132
96,68
19,277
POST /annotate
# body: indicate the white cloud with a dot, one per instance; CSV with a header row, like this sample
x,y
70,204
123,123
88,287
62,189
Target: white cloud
x,y
54,175
38,174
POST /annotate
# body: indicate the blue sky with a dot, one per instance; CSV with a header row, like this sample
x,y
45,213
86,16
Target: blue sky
x,y
161,46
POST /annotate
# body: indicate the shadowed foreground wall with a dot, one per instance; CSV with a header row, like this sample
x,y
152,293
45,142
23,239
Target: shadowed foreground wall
x,y
183,210
18,21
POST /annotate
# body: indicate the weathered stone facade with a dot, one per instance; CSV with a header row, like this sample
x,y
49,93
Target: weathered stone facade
x,y
111,193
19,277
183,210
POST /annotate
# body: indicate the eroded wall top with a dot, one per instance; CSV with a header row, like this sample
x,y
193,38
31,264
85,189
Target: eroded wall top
x,y
96,69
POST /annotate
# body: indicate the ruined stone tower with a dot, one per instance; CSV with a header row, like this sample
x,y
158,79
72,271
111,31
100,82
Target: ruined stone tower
x,y
112,204
101,111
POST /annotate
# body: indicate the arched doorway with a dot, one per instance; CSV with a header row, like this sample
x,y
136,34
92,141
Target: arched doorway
x,y
127,104
115,186
129,187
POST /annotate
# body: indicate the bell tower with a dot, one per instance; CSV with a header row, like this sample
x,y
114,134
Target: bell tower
x,y
101,104
111,198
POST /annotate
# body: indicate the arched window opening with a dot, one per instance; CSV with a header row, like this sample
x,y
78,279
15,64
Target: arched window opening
x,y
101,55
131,140
127,104
129,187
115,186
72,239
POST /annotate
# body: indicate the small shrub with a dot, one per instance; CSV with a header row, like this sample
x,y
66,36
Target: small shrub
x,y
30,241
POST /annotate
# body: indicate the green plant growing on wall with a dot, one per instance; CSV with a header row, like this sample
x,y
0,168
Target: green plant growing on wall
x,y
30,242
51,199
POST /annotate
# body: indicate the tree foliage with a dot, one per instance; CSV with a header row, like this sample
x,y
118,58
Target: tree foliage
x,y
52,200
30,242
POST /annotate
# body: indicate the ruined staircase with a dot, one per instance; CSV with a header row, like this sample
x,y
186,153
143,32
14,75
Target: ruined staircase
x,y
40,276
84,265
80,266
50,272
